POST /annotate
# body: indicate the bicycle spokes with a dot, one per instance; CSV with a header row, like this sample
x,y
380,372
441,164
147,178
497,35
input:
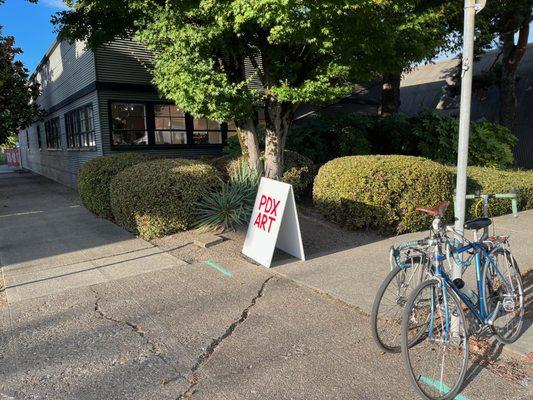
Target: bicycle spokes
x,y
437,360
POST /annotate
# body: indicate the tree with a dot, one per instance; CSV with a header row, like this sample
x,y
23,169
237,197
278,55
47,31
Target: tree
x,y
227,60
501,21
415,31
18,108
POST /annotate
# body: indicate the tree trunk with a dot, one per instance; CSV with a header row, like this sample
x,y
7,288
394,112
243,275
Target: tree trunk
x,y
278,120
390,93
512,55
249,143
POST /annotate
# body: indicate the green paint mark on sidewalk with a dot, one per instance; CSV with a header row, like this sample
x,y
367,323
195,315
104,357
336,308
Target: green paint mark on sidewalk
x,y
440,386
75,206
218,268
20,214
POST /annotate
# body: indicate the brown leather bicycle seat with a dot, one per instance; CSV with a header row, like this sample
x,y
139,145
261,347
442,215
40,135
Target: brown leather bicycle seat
x,y
437,211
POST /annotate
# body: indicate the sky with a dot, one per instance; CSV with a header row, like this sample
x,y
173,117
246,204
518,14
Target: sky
x,y
30,24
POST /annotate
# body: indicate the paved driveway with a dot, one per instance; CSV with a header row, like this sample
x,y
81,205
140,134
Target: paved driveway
x,y
94,313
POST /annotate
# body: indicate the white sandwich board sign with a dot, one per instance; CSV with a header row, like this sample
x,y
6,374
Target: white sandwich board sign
x,y
274,223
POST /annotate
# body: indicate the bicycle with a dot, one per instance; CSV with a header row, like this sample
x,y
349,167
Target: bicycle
x,y
433,315
409,267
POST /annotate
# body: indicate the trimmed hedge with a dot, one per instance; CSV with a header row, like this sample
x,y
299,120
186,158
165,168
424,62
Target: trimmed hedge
x,y
160,197
298,171
381,192
490,180
94,179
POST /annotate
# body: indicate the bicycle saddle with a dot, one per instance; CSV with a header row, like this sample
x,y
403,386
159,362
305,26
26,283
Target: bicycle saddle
x,y
437,211
478,223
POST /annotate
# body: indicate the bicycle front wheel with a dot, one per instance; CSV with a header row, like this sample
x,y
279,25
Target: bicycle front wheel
x,y
436,364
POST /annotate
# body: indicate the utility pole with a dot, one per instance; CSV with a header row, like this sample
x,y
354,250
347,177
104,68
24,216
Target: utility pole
x,y
471,8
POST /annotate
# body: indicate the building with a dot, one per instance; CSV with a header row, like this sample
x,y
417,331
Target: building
x,y
425,88
103,102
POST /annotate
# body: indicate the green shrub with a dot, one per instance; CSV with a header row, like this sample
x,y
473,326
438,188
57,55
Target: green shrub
x,y
94,179
232,206
298,171
430,134
437,135
160,197
233,146
491,181
323,138
381,192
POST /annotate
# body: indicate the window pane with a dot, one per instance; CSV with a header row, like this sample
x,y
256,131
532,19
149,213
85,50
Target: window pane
x,y
170,137
130,138
200,138
125,110
162,110
215,138
231,126
129,124
200,124
214,126
177,123
176,112
162,123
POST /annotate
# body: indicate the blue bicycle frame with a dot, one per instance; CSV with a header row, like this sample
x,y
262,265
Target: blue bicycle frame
x,y
479,311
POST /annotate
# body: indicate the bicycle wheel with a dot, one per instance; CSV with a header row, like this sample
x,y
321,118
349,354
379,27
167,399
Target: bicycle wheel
x,y
504,292
386,316
436,365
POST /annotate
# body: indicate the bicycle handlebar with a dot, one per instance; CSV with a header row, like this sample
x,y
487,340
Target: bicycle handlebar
x,y
513,196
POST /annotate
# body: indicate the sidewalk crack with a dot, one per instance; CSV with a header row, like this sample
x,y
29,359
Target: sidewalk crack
x,y
194,376
152,346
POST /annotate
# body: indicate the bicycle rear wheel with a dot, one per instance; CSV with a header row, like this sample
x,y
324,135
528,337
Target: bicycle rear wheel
x,y
386,316
436,366
504,293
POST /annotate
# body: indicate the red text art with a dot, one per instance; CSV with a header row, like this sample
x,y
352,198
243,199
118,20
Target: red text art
x,y
268,208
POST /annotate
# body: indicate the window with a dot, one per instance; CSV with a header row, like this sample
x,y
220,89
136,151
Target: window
x,y
232,129
170,125
52,131
145,123
79,125
129,124
39,136
27,140
206,131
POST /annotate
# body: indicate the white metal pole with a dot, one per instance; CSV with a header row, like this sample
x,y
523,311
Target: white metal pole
x,y
464,120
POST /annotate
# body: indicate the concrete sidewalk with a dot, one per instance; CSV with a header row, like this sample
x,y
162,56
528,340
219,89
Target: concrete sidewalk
x,y
49,243
94,313
350,266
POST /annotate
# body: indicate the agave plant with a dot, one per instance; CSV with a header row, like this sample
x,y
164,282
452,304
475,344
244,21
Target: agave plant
x,y
232,206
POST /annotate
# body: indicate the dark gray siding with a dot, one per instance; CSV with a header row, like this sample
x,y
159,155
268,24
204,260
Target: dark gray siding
x,y
68,68
60,165
104,97
123,61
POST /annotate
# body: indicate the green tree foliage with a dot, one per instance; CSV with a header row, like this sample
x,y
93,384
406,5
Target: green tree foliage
x,y
296,51
414,31
17,95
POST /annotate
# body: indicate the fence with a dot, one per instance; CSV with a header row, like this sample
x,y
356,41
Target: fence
x,y
12,157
